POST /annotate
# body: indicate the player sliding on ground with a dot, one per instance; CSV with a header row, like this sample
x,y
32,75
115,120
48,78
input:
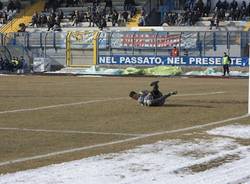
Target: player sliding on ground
x,y
151,98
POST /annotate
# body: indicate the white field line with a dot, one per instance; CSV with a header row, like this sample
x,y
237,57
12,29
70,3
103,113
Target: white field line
x,y
67,131
93,101
62,105
121,141
202,94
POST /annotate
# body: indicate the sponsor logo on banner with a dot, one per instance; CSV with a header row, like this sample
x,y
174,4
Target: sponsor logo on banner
x,y
170,61
84,40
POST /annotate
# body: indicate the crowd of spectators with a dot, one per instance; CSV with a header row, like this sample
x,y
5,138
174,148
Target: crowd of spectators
x,y
8,11
95,15
233,11
195,9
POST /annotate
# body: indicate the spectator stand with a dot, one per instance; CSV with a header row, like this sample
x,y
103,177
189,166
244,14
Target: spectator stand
x,y
202,13
22,18
86,14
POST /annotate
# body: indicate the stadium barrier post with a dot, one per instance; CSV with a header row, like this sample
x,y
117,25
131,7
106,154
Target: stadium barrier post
x,y
95,47
68,49
249,78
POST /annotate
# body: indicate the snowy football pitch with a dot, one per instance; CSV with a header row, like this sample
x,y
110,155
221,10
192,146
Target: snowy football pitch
x,y
54,119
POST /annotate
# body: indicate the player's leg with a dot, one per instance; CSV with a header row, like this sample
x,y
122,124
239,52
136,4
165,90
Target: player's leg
x,y
161,100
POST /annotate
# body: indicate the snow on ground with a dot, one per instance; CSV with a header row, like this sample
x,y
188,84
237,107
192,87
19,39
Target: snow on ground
x,y
217,160
237,131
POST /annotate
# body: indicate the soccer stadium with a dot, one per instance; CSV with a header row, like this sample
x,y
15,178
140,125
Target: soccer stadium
x,y
124,91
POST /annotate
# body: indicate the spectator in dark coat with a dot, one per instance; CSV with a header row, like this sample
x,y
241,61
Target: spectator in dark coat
x,y
234,5
219,4
109,4
115,17
225,5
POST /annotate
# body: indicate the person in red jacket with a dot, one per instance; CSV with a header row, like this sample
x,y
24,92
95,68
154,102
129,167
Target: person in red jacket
x,y
174,52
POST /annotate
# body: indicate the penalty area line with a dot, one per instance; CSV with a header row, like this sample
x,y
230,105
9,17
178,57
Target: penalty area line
x,y
121,141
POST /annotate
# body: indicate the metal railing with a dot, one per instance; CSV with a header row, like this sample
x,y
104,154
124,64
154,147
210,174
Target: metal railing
x,y
53,45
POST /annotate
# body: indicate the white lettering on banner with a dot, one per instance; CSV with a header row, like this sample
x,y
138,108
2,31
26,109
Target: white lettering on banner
x,y
236,61
141,60
218,61
205,61
107,60
152,60
191,61
158,61
175,61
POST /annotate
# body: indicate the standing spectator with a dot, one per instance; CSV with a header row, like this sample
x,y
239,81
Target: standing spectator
x,y
109,4
218,5
199,5
76,18
225,5
1,63
248,9
114,18
174,52
17,5
226,62
11,6
126,5
50,22
34,19
234,5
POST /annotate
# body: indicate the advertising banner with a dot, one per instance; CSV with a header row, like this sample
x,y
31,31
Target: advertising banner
x,y
153,40
169,61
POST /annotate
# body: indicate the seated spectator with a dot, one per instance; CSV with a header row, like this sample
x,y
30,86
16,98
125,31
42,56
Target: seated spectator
x,y
43,20
22,27
125,16
214,21
60,14
102,23
199,5
142,21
